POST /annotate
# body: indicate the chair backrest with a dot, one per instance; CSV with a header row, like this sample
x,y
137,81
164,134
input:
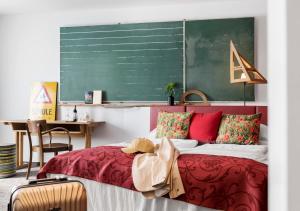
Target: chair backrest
x,y
36,126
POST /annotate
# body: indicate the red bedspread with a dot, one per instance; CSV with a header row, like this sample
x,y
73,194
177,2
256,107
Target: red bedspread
x,y
219,182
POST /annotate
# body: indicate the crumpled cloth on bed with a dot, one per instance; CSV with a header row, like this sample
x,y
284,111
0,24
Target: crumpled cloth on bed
x,y
156,174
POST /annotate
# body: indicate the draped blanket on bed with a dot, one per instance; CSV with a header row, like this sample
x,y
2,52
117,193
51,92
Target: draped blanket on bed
x,y
219,182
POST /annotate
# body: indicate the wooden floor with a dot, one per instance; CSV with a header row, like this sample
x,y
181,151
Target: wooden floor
x,y
7,184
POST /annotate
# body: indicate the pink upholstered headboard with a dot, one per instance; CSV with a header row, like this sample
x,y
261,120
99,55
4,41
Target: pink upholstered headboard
x,y
264,111
204,109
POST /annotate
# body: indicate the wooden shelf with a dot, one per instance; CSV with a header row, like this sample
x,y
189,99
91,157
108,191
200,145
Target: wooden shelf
x,y
79,104
113,105
148,104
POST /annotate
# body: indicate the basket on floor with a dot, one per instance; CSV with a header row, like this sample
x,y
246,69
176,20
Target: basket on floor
x,y
7,160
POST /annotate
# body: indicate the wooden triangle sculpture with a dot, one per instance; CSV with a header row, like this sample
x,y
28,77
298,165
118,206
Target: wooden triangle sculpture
x,y
241,71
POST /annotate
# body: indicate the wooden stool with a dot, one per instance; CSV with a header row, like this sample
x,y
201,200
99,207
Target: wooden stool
x,y
7,160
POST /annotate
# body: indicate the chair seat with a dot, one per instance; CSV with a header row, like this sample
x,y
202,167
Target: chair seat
x,y
53,147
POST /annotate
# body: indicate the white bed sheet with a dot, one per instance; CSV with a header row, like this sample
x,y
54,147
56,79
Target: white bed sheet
x,y
258,153
180,144
105,197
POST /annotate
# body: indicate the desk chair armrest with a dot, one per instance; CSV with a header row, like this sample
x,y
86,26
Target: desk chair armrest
x,y
58,129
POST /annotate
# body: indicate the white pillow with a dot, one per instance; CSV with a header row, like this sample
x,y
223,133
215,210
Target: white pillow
x,y
152,134
178,143
263,134
263,142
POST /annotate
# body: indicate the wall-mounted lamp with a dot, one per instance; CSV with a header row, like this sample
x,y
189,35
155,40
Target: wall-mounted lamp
x,y
241,71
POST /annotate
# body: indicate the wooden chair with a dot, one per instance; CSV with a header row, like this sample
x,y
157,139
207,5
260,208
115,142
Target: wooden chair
x,y
39,128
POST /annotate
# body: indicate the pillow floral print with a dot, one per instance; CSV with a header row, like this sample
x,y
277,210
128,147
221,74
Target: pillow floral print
x,y
173,124
239,129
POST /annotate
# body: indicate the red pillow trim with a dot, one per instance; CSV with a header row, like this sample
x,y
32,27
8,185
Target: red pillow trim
x,y
204,127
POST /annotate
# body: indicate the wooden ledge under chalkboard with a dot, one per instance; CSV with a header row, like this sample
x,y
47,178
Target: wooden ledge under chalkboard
x,y
149,104
114,105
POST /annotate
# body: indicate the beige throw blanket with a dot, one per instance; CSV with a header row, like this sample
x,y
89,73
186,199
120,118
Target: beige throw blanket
x,y
156,174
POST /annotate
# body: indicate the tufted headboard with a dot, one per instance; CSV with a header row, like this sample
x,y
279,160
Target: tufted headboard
x,y
204,109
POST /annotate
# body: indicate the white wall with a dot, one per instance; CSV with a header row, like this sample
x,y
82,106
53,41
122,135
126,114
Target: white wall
x,y
293,77
277,108
30,52
284,44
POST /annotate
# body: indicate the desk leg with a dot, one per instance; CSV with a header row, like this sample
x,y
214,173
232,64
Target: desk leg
x,y
88,137
17,149
21,146
19,138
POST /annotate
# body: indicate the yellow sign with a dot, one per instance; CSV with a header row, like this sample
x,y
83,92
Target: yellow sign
x,y
43,101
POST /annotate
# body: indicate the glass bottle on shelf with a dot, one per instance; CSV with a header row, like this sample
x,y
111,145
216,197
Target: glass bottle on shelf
x,y
75,115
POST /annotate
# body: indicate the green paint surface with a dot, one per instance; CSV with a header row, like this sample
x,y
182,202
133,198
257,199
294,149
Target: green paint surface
x,y
208,52
129,62
134,62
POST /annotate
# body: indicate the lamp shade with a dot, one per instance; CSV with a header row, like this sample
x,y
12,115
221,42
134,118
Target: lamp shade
x,y
241,71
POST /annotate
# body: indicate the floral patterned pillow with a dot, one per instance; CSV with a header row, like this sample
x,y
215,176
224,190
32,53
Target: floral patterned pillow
x,y
173,124
239,129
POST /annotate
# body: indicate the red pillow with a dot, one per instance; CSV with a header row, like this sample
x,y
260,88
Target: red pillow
x,y
204,127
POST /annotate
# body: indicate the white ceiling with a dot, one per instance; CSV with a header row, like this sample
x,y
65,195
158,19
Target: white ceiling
x,y
29,6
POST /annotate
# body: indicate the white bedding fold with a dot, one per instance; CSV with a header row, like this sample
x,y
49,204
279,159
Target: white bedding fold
x,y
255,152
105,197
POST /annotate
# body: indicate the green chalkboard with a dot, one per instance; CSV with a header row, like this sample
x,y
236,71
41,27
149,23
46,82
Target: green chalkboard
x,y
207,56
134,62
129,62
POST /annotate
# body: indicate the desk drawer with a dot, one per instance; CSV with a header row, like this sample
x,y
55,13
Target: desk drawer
x,y
72,128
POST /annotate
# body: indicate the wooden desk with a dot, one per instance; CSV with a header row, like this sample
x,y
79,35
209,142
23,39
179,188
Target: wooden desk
x,y
83,129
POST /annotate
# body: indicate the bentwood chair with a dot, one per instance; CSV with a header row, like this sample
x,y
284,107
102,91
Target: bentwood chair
x,y
39,128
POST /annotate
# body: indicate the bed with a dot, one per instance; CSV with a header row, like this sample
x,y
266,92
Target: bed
x,y
215,176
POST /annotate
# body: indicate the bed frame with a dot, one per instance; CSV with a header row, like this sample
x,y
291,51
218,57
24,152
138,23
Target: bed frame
x,y
204,109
